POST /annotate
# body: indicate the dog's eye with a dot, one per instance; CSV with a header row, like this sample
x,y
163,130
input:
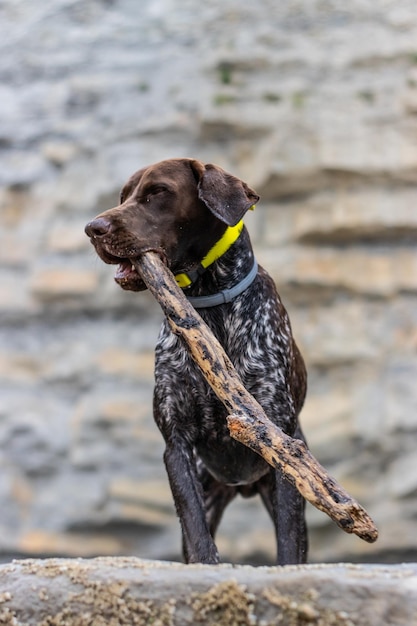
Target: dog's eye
x,y
153,191
158,189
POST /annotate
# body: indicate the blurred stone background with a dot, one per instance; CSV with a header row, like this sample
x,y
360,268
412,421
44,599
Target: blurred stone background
x,y
314,104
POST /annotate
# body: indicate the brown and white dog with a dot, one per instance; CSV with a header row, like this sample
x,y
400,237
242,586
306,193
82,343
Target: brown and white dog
x,y
191,213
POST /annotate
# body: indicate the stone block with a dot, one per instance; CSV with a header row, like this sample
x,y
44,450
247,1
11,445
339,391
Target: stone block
x,y
54,283
364,149
114,407
59,152
348,331
123,362
114,426
155,493
68,237
128,590
401,393
143,501
14,293
22,167
348,216
402,476
327,424
20,367
41,542
374,272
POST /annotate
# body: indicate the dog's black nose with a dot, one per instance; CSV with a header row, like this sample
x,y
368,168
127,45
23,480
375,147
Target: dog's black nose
x,y
98,227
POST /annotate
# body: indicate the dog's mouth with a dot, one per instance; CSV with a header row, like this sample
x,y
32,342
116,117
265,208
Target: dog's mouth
x,y
127,276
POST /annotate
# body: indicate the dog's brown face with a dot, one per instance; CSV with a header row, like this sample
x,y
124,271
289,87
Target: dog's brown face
x,y
178,208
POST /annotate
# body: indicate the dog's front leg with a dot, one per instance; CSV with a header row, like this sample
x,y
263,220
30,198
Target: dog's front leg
x,y
174,411
198,544
289,522
286,508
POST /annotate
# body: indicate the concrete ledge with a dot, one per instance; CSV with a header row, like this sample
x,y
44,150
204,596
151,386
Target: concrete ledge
x,y
126,591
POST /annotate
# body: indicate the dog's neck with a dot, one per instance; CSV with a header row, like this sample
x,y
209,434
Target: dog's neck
x,y
227,271
222,245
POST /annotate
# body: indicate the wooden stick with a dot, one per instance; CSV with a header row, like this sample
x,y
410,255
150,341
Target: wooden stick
x,y
247,421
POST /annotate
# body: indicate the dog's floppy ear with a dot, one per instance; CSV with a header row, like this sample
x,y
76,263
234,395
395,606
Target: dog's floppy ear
x,y
227,197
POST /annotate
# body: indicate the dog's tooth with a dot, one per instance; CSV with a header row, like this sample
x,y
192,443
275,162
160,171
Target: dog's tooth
x,y
133,268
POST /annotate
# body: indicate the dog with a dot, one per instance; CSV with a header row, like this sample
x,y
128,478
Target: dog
x,y
191,214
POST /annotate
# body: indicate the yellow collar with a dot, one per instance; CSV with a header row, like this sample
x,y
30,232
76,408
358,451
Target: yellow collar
x,y
227,240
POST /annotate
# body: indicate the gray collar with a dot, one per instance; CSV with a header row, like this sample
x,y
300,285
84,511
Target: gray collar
x,y
227,295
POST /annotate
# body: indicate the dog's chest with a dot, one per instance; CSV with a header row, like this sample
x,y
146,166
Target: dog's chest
x,y
257,347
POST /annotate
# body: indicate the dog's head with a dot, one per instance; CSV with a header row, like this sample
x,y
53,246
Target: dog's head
x,y
178,208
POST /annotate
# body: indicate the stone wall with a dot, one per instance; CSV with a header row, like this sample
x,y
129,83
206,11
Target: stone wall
x,y
120,591
314,104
